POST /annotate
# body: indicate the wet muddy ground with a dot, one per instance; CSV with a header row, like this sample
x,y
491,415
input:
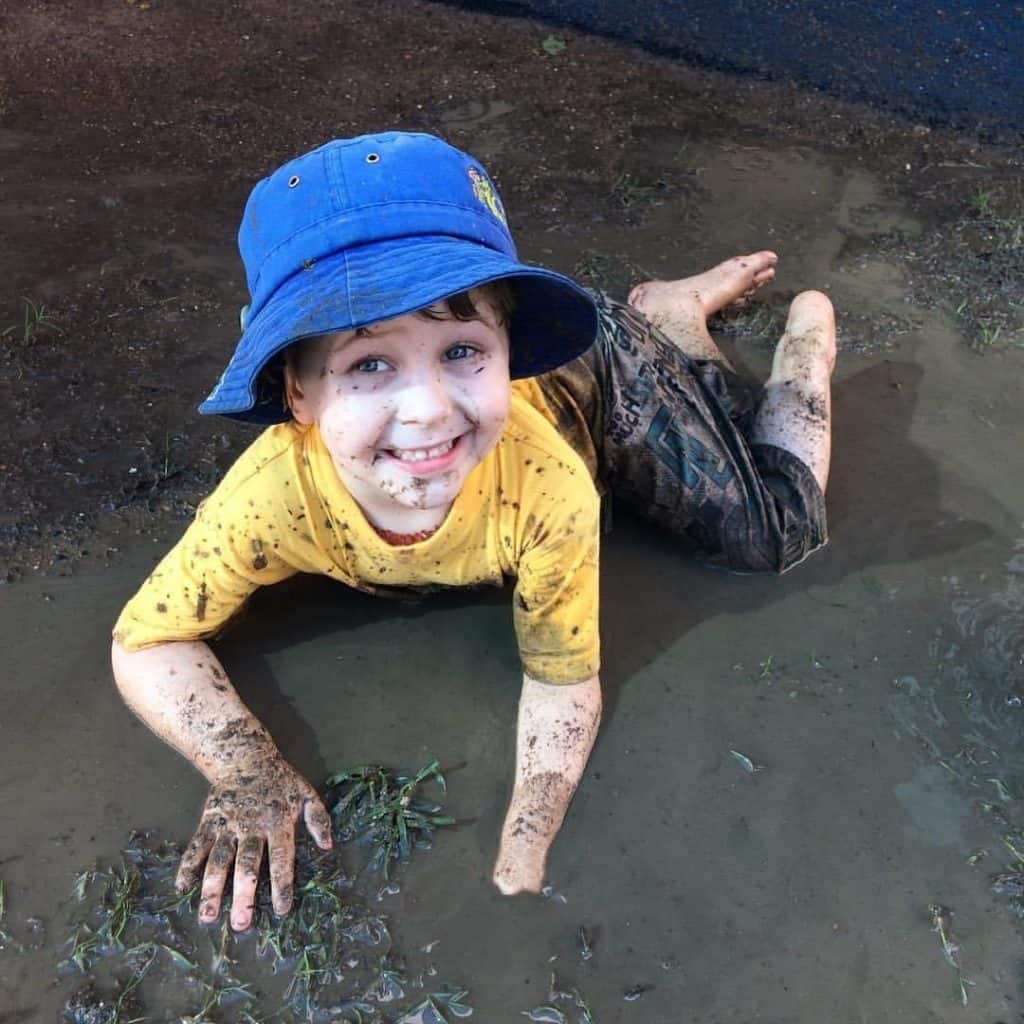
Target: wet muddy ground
x,y
879,685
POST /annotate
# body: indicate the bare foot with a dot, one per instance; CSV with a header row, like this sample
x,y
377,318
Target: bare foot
x,y
729,282
680,309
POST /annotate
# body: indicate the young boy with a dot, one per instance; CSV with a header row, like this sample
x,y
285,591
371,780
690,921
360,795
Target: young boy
x,y
443,416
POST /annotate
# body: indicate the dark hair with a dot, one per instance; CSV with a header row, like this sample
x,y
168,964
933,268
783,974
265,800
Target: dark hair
x,y
500,295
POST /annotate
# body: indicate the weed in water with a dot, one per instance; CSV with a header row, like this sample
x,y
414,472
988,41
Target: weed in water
x,y
630,195
370,805
331,954
751,322
545,1015
438,1007
745,763
6,941
551,1014
942,919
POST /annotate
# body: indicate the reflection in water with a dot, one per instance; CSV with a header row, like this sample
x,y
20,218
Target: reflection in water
x,y
982,657
970,715
976,691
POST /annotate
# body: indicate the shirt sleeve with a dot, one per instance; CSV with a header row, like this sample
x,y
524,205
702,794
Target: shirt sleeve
x,y
221,559
555,606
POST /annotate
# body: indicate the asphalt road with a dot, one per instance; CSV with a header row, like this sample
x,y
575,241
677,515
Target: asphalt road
x,y
955,62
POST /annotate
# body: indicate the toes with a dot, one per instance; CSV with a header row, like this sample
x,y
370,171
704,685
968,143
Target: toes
x,y
762,259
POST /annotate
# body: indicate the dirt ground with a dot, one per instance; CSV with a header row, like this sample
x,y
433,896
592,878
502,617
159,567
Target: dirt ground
x,y
878,684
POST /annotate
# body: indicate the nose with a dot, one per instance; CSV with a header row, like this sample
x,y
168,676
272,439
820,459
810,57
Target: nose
x,y
424,401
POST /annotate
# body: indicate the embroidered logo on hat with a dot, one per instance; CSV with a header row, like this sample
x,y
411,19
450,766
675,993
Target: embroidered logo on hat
x,y
486,194
371,228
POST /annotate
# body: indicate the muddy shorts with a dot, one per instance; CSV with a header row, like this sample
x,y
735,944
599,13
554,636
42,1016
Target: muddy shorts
x,y
670,438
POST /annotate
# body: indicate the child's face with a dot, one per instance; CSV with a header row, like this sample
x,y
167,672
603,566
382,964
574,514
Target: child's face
x,y
406,407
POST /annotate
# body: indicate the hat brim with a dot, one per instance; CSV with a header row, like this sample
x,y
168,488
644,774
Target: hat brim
x,y
554,320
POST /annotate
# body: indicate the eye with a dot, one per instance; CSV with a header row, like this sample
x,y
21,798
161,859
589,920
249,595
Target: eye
x,y
460,351
371,365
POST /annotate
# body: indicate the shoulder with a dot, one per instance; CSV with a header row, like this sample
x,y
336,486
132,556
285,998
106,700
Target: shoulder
x,y
271,463
547,498
532,443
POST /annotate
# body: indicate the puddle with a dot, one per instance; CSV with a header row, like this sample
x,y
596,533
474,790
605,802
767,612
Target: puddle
x,y
876,688
934,807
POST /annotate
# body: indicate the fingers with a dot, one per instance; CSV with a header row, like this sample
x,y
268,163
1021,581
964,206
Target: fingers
x,y
318,821
217,865
282,868
247,872
193,857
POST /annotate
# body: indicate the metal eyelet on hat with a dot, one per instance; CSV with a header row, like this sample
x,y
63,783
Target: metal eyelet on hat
x,y
308,264
372,158
293,181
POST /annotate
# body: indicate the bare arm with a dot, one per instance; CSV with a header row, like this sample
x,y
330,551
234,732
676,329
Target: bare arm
x,y
183,694
556,732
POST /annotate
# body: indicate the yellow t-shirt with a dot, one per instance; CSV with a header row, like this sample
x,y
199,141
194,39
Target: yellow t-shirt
x,y
529,510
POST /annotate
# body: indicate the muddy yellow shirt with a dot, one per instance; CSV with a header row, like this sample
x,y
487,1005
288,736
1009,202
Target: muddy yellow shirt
x,y
528,511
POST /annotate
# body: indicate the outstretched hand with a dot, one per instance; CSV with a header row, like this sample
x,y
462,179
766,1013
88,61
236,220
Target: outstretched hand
x,y
253,809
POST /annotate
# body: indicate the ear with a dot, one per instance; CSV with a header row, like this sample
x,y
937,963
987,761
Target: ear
x,y
298,401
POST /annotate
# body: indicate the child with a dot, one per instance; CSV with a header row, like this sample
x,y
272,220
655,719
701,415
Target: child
x,y
443,415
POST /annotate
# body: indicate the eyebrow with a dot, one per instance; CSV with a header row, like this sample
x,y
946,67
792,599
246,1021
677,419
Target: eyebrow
x,y
345,338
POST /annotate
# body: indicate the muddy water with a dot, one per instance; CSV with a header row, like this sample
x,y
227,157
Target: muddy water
x,y
798,893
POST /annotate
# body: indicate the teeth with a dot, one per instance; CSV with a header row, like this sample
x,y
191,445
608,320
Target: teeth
x,y
422,454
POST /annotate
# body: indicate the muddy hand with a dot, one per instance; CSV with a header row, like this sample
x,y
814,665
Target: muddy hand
x,y
530,827
255,808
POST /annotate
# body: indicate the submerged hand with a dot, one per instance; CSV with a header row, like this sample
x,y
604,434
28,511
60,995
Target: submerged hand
x,y
255,807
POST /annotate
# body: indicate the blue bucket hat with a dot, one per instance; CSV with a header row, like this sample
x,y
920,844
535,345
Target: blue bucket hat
x,y
371,228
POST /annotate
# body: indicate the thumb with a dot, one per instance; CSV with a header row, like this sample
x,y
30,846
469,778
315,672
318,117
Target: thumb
x,y
318,821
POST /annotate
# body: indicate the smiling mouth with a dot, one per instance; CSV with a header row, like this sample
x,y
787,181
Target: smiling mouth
x,y
416,455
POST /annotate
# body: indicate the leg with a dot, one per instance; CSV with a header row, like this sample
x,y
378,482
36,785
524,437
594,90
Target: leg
x,y
795,413
671,436
680,309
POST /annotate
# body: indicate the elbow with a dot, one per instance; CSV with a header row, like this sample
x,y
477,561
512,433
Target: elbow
x,y
119,659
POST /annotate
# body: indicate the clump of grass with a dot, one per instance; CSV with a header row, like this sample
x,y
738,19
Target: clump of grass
x,y
35,320
987,335
369,804
330,955
628,193
751,321
609,272
981,202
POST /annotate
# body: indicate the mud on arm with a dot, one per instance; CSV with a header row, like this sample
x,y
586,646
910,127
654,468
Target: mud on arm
x,y
183,694
556,730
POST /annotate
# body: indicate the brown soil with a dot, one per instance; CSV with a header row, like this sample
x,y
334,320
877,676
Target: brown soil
x,y
131,133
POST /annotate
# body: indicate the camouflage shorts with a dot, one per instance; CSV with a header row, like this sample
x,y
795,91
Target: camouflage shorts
x,y
670,435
